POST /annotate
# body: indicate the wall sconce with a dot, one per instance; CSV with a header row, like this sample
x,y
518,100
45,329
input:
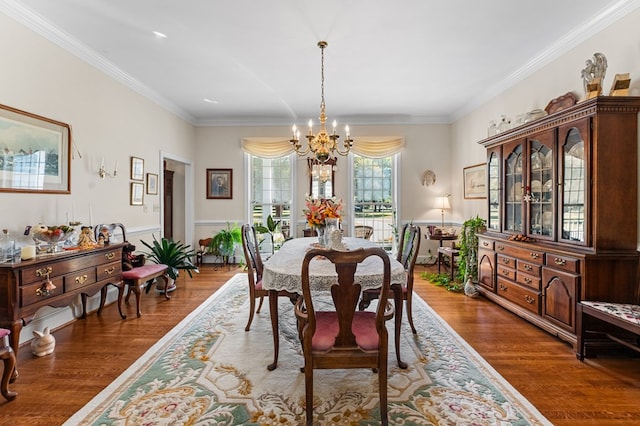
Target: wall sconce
x,y
102,172
442,203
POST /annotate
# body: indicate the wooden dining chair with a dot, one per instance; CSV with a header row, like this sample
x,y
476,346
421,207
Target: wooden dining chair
x,y
407,255
363,231
254,264
344,337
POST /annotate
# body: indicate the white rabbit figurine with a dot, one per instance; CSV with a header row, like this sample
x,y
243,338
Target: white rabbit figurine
x,y
43,343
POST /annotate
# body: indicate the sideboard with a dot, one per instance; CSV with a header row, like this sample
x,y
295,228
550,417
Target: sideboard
x,y
562,213
55,280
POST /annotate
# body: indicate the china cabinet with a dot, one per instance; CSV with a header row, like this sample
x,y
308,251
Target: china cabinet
x,y
562,213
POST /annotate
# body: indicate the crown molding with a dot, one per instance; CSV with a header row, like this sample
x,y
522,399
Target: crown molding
x,y
563,45
36,23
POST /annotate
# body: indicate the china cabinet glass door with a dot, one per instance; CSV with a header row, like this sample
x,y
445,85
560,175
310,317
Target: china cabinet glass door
x,y
493,171
514,186
539,192
573,169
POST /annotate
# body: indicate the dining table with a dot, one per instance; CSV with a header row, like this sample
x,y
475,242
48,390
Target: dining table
x,y
283,271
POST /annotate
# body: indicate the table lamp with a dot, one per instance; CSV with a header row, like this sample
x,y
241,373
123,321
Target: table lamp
x,y
442,203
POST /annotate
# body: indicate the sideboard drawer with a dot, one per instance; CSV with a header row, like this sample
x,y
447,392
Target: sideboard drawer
x,y
508,273
36,292
529,281
565,263
79,279
529,268
485,244
104,272
528,299
530,255
507,261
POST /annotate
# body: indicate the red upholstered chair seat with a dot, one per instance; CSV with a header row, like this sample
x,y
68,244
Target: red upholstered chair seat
x,y
137,277
327,328
143,271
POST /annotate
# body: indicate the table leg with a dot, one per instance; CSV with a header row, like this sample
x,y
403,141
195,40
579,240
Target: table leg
x,y
273,312
398,302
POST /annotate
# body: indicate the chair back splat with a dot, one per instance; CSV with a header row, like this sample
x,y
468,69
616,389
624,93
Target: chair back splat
x,y
254,263
344,337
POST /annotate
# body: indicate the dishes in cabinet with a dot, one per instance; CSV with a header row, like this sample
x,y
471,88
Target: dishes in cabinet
x,y
547,219
547,160
547,186
536,186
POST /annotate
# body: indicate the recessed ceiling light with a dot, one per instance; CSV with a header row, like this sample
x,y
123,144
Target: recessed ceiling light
x,y
158,34
210,101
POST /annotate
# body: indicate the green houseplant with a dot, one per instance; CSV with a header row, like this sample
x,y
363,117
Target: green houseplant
x,y
226,240
468,259
174,254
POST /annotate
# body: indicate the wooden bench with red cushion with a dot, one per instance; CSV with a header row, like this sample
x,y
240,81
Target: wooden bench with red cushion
x,y
139,277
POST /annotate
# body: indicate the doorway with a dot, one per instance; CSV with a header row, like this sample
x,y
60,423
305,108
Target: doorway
x,y
176,213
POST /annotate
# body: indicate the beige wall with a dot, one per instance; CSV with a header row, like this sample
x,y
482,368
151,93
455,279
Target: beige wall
x,y
621,45
108,120
426,147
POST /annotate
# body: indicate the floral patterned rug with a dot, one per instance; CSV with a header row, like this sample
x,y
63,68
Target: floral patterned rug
x,y
209,371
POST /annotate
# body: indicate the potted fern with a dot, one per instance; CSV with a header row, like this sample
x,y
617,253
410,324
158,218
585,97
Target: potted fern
x,y
175,255
226,241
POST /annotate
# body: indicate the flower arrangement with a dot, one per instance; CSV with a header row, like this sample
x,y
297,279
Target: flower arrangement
x,y
318,209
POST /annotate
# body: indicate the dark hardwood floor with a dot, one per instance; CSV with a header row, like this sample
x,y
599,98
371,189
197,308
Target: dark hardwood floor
x,y
93,352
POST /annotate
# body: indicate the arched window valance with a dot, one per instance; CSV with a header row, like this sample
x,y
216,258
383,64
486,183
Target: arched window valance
x,y
377,146
368,146
264,147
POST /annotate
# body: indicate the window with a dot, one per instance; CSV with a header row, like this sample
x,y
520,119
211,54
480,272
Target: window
x,y
271,192
374,197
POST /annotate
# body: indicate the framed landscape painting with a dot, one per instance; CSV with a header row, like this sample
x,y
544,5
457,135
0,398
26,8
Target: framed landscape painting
x,y
475,181
35,153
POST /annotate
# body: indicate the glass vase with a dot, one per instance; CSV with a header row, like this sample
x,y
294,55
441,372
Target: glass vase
x,y
320,232
332,233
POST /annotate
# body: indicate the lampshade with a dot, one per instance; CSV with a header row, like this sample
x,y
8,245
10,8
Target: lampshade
x,y
442,203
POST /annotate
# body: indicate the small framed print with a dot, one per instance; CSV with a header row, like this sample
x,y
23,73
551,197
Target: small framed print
x,y
137,168
152,184
219,183
475,181
137,194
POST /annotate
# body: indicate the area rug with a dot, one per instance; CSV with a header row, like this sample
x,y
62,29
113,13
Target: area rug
x,y
209,371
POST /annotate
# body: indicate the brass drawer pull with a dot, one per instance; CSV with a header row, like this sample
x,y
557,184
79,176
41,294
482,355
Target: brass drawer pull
x,y
527,280
110,255
528,268
559,261
44,272
506,273
45,289
81,279
506,261
110,271
500,247
503,287
530,300
534,255
486,244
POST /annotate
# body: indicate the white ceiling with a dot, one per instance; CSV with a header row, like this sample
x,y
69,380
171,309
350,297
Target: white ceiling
x,y
402,61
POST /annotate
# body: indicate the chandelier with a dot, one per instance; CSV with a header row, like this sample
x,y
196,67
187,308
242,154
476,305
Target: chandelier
x,y
323,145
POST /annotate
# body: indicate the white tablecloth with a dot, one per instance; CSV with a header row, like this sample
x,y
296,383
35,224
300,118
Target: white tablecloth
x,y
283,270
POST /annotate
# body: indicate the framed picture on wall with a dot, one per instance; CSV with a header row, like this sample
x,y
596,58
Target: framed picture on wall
x,y
137,194
137,168
475,181
219,183
36,153
152,184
